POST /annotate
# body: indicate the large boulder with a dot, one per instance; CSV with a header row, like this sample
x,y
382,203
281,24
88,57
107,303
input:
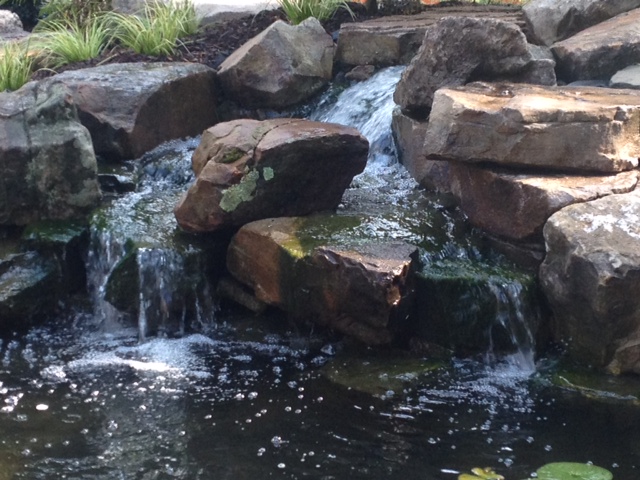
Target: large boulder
x,y
394,40
550,21
48,166
359,289
600,51
133,107
458,50
281,66
591,277
249,170
517,205
569,128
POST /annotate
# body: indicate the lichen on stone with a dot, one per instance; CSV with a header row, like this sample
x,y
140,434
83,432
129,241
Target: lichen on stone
x,y
241,192
268,173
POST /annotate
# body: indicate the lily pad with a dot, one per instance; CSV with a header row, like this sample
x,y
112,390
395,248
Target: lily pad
x,y
573,471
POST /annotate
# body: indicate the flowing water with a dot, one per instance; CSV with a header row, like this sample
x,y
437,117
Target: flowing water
x,y
245,397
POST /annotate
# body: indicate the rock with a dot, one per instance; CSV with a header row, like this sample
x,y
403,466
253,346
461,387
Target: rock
x,y
472,307
591,279
459,50
550,21
281,66
46,158
10,26
409,138
358,289
360,73
627,78
394,40
517,205
528,125
600,51
248,170
131,108
29,289
540,71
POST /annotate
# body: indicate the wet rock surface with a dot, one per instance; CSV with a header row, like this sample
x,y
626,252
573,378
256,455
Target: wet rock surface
x,y
248,170
358,289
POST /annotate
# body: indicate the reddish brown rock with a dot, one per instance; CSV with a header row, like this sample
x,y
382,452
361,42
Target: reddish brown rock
x,y
576,129
516,206
250,170
360,290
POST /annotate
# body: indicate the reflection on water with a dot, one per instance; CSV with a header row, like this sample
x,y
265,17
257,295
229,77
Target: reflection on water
x,y
83,404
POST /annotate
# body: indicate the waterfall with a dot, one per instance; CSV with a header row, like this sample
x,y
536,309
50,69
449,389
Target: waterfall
x,y
141,269
451,256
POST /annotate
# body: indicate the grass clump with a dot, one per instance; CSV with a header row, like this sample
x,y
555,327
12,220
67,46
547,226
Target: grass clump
x,y
68,39
16,65
158,30
299,10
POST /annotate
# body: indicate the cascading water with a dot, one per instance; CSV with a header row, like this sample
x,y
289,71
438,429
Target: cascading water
x,y
255,399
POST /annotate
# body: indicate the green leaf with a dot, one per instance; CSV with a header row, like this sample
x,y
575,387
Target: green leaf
x,y
573,471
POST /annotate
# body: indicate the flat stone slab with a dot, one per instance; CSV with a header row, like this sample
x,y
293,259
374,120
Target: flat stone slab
x,y
394,40
516,206
591,277
600,51
561,128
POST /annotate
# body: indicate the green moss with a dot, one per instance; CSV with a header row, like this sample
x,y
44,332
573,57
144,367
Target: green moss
x,y
241,192
232,155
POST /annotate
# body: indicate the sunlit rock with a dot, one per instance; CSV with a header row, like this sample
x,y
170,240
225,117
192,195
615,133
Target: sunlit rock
x,y
600,51
552,20
591,279
459,50
248,170
132,108
564,128
316,270
281,66
517,205
628,77
47,164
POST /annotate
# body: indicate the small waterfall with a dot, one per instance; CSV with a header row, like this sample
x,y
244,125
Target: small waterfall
x,y
479,292
142,269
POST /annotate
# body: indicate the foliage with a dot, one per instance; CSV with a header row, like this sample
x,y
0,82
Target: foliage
x,y
16,65
159,29
67,40
299,10
481,474
550,471
74,12
572,471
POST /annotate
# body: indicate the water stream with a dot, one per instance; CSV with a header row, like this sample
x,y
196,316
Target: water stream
x,y
217,393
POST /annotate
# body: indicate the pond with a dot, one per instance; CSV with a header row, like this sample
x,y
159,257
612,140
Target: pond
x,y
196,389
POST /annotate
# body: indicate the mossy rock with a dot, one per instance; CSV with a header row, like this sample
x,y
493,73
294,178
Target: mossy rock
x,y
598,386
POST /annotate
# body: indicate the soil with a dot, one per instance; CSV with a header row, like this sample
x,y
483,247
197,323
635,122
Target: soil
x,y
213,44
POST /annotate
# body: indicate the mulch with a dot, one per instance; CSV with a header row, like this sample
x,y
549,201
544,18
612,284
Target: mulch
x,y
214,43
